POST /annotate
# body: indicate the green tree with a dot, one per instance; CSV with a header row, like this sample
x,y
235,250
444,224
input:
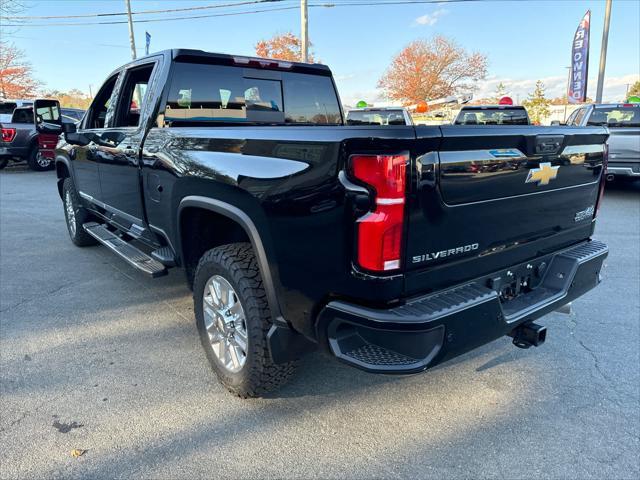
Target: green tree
x,y
537,104
501,91
635,89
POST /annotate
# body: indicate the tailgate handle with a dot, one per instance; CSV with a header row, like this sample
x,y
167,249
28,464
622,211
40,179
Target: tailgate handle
x,y
548,144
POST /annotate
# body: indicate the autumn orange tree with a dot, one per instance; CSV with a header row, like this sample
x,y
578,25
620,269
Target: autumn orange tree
x,y
284,46
430,69
16,74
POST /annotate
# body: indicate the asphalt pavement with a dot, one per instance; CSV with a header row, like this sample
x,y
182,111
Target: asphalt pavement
x,y
95,356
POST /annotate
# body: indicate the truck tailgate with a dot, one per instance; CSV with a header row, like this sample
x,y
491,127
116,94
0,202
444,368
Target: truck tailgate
x,y
495,196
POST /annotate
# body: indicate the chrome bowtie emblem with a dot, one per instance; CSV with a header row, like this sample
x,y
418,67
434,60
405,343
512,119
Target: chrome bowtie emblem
x,y
543,174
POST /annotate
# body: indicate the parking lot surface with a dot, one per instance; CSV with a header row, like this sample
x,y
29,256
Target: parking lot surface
x,y
97,357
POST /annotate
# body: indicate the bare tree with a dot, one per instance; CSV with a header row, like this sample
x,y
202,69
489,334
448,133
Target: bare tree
x,y
9,8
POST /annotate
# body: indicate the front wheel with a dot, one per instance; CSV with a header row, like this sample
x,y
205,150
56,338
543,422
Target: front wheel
x,y
233,319
37,162
76,215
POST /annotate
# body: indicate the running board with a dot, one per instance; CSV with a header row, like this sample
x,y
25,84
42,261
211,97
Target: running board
x,y
135,257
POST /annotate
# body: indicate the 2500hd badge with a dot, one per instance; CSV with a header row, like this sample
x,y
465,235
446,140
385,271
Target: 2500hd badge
x,y
428,257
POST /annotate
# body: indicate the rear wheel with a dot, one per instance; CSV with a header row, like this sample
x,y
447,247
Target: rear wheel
x,y
76,215
3,162
233,319
37,161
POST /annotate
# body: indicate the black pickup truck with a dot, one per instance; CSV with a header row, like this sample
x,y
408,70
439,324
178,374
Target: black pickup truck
x,y
394,248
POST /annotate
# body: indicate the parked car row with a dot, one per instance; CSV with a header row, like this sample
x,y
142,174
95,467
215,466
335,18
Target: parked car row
x,y
19,136
622,121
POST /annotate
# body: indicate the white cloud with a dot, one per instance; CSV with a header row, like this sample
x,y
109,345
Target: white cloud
x,y
555,86
430,19
615,89
346,76
373,97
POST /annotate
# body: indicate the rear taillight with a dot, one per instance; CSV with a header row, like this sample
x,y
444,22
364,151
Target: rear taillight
x,y
603,178
8,134
380,231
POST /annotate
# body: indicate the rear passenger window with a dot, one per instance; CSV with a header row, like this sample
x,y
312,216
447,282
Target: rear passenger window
x,y
201,93
579,116
133,95
310,99
207,93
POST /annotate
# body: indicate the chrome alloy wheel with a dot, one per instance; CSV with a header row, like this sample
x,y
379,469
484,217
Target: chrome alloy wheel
x,y
225,322
71,213
42,161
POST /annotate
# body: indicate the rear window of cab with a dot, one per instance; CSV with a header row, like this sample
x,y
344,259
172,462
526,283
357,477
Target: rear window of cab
x,y
620,116
206,94
492,116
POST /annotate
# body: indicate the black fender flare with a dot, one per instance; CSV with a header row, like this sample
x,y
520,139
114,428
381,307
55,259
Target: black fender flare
x,y
234,213
67,163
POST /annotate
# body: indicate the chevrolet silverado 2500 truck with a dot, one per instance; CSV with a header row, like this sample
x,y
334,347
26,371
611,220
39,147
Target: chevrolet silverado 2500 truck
x,y
393,247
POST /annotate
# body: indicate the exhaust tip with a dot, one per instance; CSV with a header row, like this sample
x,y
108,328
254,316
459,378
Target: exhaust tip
x,y
610,177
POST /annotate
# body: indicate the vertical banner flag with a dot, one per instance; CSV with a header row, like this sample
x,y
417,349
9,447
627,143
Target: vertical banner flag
x,y
147,36
580,61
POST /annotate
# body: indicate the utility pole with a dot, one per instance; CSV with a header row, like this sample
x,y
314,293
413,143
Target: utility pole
x,y
603,51
567,94
132,39
304,34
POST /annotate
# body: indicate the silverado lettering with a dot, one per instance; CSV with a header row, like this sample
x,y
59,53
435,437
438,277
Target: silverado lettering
x,y
445,253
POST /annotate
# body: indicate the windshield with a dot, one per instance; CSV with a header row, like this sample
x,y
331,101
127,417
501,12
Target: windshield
x,y
493,116
376,117
621,116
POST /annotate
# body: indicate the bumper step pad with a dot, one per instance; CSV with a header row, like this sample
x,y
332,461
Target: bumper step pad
x,y
436,327
371,354
132,255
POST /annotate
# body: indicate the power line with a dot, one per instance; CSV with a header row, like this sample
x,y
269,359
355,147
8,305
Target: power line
x,y
142,12
69,42
68,24
193,17
374,3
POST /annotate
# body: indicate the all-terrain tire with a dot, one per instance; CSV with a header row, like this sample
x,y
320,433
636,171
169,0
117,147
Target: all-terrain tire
x,y
236,263
76,215
38,163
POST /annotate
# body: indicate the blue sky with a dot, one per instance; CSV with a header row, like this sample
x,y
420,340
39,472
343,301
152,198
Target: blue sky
x,y
523,40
